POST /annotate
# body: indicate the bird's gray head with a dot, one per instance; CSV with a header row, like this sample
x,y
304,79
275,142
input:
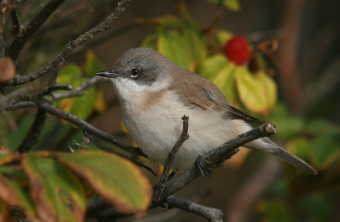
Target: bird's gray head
x,y
139,70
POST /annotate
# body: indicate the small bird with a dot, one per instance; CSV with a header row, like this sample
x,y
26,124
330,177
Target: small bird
x,y
154,93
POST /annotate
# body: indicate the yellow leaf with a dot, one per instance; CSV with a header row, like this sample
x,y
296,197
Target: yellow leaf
x,y
251,91
270,88
238,159
225,81
123,128
100,105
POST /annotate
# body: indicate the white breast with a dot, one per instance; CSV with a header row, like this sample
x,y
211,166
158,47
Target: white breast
x,y
156,129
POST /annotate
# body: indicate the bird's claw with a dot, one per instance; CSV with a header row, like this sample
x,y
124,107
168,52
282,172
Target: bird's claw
x,y
165,205
199,165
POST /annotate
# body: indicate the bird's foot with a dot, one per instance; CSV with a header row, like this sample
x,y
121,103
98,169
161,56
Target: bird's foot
x,y
165,204
199,165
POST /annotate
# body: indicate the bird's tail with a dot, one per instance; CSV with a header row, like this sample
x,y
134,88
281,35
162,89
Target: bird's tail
x,y
267,146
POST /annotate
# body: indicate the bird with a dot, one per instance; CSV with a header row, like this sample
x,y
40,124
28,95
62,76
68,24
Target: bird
x,y
154,93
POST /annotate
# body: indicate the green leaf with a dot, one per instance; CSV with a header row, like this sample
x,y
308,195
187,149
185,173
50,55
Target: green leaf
x,y
114,178
14,191
299,146
68,74
287,125
275,210
320,126
174,46
251,91
230,4
92,64
83,106
326,149
212,65
223,36
8,157
57,193
225,81
196,43
270,88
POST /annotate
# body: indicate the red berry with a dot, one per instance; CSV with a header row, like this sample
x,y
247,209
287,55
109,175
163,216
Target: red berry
x,y
237,50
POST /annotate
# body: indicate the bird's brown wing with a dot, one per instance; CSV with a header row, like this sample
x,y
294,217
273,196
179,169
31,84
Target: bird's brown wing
x,y
197,92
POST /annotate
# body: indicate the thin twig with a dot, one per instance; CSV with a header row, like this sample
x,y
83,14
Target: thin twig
x,y
13,98
20,41
16,30
46,91
33,134
78,91
89,128
209,160
212,158
19,105
211,214
6,8
105,25
107,149
165,174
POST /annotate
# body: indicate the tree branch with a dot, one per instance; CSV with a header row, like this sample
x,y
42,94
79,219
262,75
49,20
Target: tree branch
x,y
19,105
46,91
16,30
78,91
208,161
6,7
89,128
33,134
13,98
211,214
20,41
212,158
105,25
166,170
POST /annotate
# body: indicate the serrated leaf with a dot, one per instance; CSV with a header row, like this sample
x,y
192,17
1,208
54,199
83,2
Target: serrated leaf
x,y
230,4
57,193
326,149
175,47
225,81
270,88
212,65
14,192
114,178
251,91
223,36
92,64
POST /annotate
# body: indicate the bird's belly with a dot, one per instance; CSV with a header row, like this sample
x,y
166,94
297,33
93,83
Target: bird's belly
x,y
157,129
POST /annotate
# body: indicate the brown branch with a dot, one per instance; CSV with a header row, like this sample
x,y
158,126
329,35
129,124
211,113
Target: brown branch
x,y
211,214
208,161
33,134
89,128
13,98
78,91
20,41
6,8
16,30
165,174
46,91
19,105
212,158
105,25
251,191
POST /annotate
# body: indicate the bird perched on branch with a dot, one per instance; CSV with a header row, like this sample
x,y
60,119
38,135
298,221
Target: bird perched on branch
x,y
154,93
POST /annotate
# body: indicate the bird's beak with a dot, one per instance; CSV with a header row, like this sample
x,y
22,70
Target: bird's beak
x,y
107,74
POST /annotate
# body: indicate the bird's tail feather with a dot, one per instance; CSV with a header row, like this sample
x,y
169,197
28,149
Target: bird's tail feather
x,y
268,146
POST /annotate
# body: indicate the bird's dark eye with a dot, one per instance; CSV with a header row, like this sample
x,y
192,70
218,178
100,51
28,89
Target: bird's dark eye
x,y
134,73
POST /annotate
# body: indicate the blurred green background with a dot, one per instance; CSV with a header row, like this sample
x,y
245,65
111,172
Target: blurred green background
x,y
292,80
